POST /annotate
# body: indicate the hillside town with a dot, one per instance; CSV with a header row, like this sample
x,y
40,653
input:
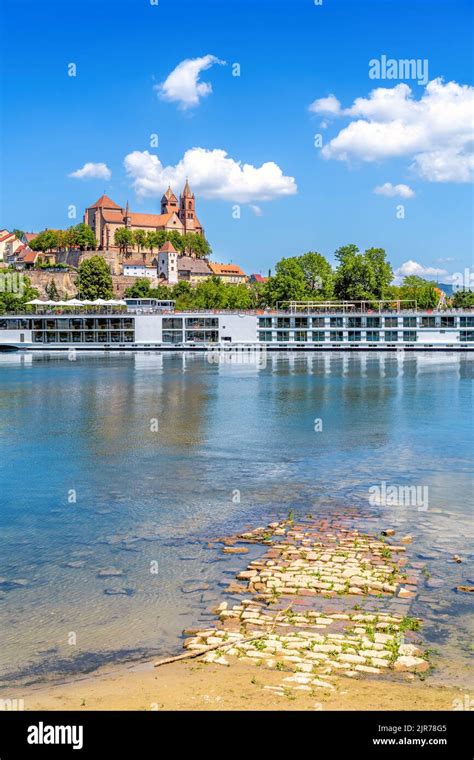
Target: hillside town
x,y
164,248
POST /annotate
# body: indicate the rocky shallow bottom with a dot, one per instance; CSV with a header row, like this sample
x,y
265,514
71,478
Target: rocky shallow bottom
x,y
323,600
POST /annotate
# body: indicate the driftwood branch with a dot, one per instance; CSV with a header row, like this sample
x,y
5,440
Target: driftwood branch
x,y
224,645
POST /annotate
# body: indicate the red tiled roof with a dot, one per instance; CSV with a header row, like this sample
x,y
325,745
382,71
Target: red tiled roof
x,y
30,236
105,202
151,220
258,278
113,215
168,247
29,257
227,269
5,237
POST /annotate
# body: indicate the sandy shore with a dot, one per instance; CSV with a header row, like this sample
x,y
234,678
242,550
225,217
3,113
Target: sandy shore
x,y
205,686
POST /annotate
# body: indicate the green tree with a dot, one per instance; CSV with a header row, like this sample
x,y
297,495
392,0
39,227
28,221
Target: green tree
x,y
422,291
463,299
161,236
361,276
123,237
18,233
82,237
52,291
381,268
45,241
95,280
139,289
152,241
176,239
196,245
288,283
16,302
140,239
318,275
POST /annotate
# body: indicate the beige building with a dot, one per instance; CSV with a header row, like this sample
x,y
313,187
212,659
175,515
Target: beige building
x,y
105,217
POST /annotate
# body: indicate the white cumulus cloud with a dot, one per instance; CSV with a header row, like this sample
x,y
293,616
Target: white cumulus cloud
x,y
182,86
411,267
211,173
404,191
330,106
434,132
92,171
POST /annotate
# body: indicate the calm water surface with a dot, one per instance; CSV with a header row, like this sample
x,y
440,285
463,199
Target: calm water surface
x,y
87,483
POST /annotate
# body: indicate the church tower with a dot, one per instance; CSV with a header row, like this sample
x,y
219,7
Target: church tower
x,y
187,211
169,202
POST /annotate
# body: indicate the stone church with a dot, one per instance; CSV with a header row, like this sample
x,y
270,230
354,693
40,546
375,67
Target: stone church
x,y
105,217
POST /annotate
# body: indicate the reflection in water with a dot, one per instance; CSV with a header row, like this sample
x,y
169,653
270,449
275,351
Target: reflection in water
x,y
120,460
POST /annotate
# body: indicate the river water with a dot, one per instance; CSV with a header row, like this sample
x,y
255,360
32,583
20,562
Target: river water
x,y
129,463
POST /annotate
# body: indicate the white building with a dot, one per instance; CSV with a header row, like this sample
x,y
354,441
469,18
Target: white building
x,y
139,269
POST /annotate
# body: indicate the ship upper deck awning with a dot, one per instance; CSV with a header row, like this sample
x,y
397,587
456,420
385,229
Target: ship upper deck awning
x,y
74,304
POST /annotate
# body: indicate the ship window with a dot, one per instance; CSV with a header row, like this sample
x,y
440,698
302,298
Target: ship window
x,y
265,335
172,323
409,336
318,321
391,321
391,336
354,322
318,335
301,322
353,335
466,322
373,321
467,335
283,336
428,321
447,321
336,321
283,322
170,336
265,321
300,335
337,336
409,321
372,336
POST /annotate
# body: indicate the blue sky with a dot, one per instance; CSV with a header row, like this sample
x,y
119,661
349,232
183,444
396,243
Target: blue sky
x,y
291,53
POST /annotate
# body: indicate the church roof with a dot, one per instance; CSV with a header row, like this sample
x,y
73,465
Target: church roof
x,y
142,220
152,220
187,190
169,195
105,202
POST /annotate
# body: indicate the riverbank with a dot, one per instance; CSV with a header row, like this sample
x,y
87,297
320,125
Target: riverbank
x,y
193,685
320,620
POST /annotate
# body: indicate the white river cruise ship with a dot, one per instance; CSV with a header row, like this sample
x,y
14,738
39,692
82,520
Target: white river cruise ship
x,y
148,324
